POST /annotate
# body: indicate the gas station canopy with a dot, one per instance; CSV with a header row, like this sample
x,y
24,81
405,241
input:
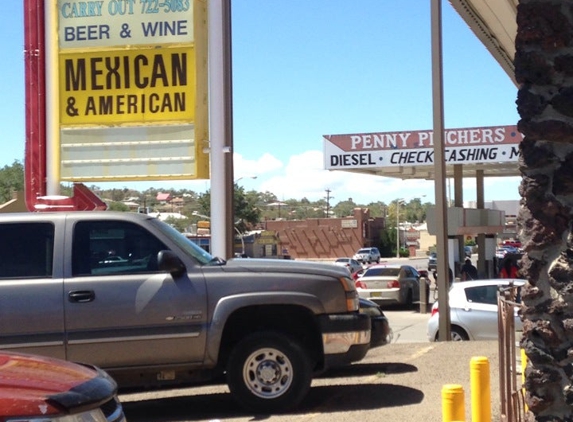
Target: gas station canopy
x,y
494,22
408,155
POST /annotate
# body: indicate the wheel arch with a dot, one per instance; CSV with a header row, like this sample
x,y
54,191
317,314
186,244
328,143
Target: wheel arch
x,y
295,319
458,327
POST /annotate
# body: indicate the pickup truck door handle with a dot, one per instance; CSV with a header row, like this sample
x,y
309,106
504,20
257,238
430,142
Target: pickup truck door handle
x,y
81,296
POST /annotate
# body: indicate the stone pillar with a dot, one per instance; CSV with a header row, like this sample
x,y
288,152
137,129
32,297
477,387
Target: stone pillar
x,y
544,71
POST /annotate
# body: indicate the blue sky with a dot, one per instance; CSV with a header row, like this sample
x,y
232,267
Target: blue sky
x,y
303,69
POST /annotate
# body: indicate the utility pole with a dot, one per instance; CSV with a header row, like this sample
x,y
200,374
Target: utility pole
x,y
328,198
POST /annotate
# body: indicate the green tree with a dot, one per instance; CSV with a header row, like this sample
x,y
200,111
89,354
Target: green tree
x,y
245,206
180,224
247,213
344,208
377,209
11,180
117,206
387,244
415,211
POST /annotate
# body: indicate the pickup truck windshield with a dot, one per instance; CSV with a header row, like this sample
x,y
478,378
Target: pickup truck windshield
x,y
187,245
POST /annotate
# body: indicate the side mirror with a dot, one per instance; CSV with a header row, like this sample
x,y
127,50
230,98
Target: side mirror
x,y
169,262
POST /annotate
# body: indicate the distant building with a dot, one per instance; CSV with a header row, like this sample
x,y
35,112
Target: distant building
x,y
163,198
510,209
16,204
177,202
327,237
312,238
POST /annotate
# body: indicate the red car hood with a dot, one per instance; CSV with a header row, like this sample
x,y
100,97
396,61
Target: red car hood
x,y
35,385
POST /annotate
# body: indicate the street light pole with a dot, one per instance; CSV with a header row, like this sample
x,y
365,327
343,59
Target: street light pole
x,y
244,177
242,241
398,227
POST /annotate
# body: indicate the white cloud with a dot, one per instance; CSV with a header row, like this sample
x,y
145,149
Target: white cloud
x,y
243,167
305,177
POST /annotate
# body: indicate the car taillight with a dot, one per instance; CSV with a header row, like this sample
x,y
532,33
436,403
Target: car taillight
x,y
360,284
434,311
393,284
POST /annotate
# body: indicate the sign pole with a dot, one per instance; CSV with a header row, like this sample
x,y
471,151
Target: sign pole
x,y
220,133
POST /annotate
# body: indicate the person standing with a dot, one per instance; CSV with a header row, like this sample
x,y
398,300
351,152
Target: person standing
x,y
468,271
509,269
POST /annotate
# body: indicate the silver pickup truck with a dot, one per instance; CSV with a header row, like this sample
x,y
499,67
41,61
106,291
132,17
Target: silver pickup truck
x,y
128,293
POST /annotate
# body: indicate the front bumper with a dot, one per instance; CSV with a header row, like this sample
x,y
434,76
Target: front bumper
x,y
381,332
345,338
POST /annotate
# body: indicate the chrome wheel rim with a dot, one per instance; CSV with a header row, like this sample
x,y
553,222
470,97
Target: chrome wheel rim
x,y
268,373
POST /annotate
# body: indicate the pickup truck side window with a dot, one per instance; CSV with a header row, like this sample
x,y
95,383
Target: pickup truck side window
x,y
27,250
113,247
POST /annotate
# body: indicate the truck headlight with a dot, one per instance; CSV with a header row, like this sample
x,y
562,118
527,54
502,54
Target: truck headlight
x,y
352,301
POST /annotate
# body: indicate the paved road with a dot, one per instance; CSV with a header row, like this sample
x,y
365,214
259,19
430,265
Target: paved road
x,y
408,326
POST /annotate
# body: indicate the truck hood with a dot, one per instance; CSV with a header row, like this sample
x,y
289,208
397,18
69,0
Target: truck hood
x,y
285,266
34,385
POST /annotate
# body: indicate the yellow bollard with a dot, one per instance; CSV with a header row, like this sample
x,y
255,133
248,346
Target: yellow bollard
x,y
453,406
523,366
480,389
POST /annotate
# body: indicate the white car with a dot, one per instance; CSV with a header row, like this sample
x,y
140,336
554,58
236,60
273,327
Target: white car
x,y
367,255
351,264
473,310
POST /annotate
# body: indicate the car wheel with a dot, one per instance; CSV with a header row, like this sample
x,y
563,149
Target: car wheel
x,y
269,372
458,334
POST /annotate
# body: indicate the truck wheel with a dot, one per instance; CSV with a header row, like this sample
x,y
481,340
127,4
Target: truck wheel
x,y
269,372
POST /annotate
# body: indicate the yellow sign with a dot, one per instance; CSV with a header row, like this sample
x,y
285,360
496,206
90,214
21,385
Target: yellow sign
x,y
202,224
131,93
127,86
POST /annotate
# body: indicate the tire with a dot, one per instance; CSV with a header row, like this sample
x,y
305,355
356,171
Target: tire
x,y
269,372
458,334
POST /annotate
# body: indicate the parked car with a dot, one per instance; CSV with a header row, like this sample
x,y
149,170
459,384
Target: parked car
x,y
432,261
473,310
380,333
357,274
390,284
515,243
367,255
174,314
350,264
500,253
51,390
503,250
